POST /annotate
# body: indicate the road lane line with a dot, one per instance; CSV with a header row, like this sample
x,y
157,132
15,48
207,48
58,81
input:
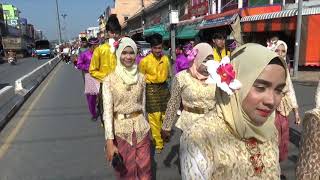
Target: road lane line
x,y
8,141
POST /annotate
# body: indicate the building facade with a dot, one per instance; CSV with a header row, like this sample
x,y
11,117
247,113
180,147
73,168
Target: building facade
x,y
124,9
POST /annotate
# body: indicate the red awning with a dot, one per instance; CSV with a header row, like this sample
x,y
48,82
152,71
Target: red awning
x,y
282,24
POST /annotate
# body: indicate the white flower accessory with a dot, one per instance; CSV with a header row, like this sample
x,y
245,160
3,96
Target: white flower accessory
x,y
111,42
223,74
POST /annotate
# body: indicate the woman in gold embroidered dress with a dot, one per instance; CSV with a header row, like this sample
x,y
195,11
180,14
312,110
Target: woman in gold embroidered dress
x,y
308,166
126,126
189,87
240,140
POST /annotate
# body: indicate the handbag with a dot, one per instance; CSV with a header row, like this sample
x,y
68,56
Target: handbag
x,y
117,163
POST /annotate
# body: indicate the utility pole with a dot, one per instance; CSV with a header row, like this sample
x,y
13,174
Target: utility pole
x,y
298,38
58,19
64,25
172,34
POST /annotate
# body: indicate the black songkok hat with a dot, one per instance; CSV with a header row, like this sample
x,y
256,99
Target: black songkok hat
x,y
113,24
155,39
217,36
83,39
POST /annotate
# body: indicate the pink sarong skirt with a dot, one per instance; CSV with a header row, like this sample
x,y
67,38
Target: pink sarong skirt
x,y
136,157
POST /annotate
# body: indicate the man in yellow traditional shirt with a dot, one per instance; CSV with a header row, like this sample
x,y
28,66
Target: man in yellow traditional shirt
x,y
219,49
156,68
104,60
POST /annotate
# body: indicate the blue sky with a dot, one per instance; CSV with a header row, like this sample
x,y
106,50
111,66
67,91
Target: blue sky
x,y
42,13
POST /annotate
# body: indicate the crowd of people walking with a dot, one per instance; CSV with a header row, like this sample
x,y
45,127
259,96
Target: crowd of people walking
x,y
231,107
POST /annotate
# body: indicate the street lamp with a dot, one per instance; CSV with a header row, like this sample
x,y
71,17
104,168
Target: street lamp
x,y
64,25
58,19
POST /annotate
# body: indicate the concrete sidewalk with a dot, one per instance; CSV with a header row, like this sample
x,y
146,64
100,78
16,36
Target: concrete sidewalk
x,y
309,77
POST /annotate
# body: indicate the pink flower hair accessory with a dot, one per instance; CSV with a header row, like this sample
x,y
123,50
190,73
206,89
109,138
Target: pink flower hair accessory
x,y
192,53
116,44
223,74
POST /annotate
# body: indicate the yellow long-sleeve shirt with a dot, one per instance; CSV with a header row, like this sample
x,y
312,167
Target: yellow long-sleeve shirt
x,y
156,71
216,55
103,62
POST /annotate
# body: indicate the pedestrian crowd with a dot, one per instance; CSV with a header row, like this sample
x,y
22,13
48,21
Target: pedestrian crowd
x,y
232,107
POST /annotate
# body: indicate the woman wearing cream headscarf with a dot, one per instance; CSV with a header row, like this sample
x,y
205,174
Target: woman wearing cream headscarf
x,y
308,166
288,103
189,87
239,141
126,126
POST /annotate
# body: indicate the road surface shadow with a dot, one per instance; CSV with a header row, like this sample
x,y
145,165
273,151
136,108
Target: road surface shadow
x,y
4,85
173,154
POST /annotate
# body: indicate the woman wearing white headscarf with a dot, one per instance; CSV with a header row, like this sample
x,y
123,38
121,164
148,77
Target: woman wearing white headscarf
x,y
239,141
288,103
190,88
126,127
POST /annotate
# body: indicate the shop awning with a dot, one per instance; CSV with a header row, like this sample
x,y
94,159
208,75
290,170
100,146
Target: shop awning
x,y
160,29
281,14
188,29
216,20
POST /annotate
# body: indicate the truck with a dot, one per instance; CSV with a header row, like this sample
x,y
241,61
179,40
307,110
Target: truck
x,y
17,44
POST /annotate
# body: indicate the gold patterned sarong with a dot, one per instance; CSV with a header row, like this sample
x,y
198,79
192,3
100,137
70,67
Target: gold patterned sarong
x,y
157,97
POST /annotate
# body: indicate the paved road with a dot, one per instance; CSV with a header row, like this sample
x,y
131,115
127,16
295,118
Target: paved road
x,y
52,137
9,73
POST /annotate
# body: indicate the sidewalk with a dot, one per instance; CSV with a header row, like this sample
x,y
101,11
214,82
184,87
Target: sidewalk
x,y
308,77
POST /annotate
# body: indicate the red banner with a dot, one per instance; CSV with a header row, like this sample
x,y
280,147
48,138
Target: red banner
x,y
260,10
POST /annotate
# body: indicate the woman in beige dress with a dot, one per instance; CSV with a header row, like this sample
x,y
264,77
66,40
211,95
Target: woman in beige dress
x,y
240,140
190,88
126,126
308,166
288,104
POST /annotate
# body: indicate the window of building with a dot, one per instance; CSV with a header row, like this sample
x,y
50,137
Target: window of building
x,y
16,13
6,13
195,2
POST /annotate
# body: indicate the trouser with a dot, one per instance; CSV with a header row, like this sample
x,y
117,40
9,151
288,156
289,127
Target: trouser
x,y
92,102
155,121
100,105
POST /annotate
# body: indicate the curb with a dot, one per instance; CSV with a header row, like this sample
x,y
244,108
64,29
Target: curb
x,y
19,99
305,82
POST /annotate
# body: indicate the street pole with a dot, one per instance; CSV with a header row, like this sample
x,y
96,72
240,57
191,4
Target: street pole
x,y
65,26
172,35
58,19
298,39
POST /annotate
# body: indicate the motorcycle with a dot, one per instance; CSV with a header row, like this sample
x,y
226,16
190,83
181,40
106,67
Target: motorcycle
x,y
12,58
12,61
